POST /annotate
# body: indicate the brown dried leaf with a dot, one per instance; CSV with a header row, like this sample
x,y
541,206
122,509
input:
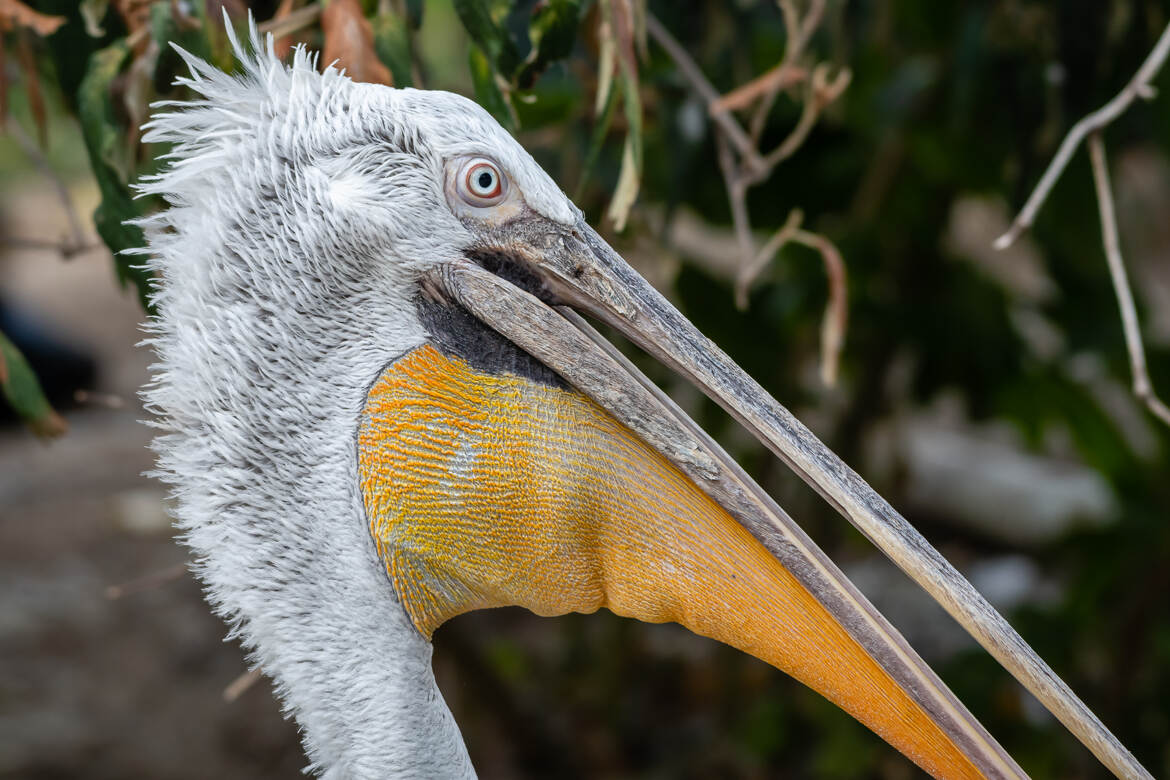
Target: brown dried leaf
x,y
14,13
349,40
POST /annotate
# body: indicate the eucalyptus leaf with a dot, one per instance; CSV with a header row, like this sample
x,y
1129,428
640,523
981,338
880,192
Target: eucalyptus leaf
x,y
103,140
489,34
552,31
23,392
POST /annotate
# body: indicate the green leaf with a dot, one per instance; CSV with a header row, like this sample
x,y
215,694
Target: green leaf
x,y
487,90
392,45
103,142
552,31
489,34
23,392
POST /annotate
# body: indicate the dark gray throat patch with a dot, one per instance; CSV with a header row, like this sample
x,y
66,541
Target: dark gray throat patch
x,y
455,332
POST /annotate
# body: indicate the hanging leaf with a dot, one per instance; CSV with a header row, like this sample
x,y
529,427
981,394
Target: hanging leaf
x,y
93,13
621,15
103,141
606,63
23,392
15,14
392,43
552,31
489,35
349,43
626,191
487,90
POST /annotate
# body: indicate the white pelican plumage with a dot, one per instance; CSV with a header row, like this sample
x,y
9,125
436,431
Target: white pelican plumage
x,y
380,410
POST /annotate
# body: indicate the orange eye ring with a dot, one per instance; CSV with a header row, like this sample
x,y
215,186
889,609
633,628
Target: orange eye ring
x,y
482,184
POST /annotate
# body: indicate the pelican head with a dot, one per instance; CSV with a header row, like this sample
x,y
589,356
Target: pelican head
x,y
381,409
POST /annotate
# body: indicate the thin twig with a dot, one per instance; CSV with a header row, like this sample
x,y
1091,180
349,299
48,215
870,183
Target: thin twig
x,y
1142,387
736,196
710,95
1138,87
766,86
297,20
836,317
752,168
76,241
148,582
822,92
63,248
748,273
104,400
237,687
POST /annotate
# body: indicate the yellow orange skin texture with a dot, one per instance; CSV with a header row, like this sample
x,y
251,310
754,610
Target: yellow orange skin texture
x,y
488,490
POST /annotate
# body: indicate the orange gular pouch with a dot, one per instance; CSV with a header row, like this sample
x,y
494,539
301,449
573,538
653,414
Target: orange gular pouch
x,y
487,490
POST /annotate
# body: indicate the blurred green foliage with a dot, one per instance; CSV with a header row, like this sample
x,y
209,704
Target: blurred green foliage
x,y
949,101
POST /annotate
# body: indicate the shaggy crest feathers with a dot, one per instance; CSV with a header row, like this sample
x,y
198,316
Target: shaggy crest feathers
x,y
301,208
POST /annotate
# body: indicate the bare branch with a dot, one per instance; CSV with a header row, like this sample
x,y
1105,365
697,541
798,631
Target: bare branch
x,y
76,241
765,86
751,168
63,247
836,318
1138,87
237,687
1142,387
148,582
748,273
710,95
822,92
294,21
836,309
736,196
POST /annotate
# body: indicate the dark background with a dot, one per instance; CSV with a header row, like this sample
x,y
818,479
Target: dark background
x,y
985,394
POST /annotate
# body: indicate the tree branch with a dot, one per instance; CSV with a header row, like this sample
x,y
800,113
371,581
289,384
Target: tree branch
x,y
76,242
294,21
1142,387
1138,86
752,168
1091,127
710,95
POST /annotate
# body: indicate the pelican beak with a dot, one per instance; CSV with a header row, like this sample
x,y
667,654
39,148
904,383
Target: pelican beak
x,y
684,534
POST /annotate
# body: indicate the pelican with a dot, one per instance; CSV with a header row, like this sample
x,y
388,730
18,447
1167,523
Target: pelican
x,y
381,408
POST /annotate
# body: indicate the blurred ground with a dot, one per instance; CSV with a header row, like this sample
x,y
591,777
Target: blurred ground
x,y
984,393
89,686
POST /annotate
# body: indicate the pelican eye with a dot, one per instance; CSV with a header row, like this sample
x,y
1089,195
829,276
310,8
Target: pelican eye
x,y
481,184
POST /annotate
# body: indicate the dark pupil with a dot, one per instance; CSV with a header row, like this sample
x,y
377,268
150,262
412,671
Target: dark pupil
x,y
485,180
